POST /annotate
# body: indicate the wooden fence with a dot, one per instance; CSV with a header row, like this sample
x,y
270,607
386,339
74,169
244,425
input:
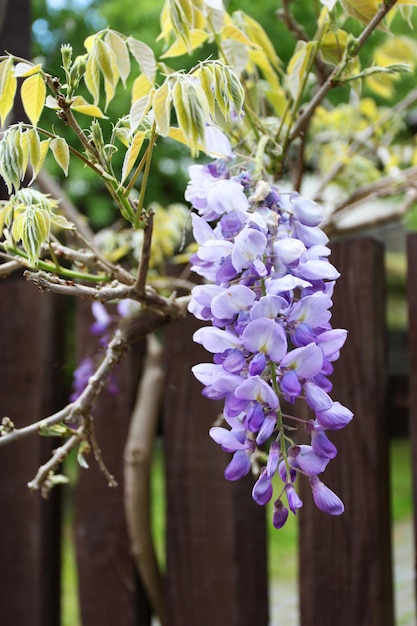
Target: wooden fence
x,y
216,540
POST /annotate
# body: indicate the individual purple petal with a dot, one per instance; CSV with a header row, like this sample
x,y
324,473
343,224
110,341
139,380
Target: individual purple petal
x,y
290,385
303,335
227,439
306,361
307,211
312,310
325,499
224,196
202,231
275,286
229,302
273,458
216,143
81,377
234,362
266,429
216,340
257,364
255,388
310,235
307,460
254,417
317,399
280,514
334,418
287,473
330,341
268,306
239,466
266,336
249,245
262,489
316,269
231,224
102,318
322,445
288,251
294,501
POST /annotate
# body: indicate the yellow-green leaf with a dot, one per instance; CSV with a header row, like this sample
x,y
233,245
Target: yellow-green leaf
x,y
43,151
299,67
81,105
144,56
161,106
121,53
364,10
141,87
92,77
8,85
34,145
333,45
33,94
132,154
106,62
258,35
179,47
230,31
138,111
61,153
23,70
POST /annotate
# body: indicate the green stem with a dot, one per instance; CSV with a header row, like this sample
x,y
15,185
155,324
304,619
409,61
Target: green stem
x,y
56,269
152,140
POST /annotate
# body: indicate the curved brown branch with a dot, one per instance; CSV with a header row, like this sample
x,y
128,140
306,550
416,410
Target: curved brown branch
x,y
137,465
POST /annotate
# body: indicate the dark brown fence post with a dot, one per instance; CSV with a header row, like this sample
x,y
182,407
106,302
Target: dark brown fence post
x,y
216,547
412,315
108,585
345,562
29,527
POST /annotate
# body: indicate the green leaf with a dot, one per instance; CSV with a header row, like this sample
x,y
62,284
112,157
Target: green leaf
x,y
61,153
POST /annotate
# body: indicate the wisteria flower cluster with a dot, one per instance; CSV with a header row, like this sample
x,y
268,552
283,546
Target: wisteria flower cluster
x,y
268,294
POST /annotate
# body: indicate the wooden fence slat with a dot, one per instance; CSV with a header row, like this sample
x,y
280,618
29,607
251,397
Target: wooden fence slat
x,y
216,546
412,322
109,590
345,562
30,527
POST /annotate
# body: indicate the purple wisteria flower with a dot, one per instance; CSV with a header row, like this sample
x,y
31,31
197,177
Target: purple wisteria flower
x,y
268,295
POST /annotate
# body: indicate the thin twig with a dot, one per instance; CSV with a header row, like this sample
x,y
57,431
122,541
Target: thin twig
x,y
145,255
302,123
43,480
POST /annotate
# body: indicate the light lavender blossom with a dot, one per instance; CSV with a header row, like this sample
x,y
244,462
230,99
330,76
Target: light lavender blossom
x,y
268,295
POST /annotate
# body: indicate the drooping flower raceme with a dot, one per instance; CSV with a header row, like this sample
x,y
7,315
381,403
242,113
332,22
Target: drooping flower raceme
x,y
267,295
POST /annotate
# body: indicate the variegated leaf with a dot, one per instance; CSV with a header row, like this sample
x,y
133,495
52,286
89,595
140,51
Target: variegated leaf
x,y
8,85
60,150
144,56
132,154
